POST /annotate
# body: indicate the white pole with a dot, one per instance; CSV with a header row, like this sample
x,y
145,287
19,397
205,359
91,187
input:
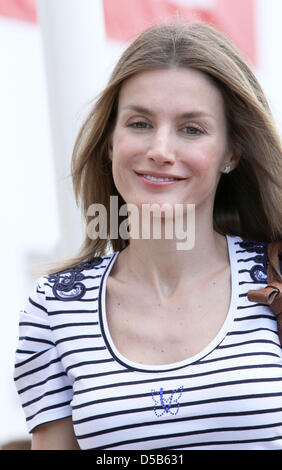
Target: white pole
x,y
73,42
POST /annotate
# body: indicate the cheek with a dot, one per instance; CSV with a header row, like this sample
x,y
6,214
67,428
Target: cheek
x,y
207,159
123,150
122,160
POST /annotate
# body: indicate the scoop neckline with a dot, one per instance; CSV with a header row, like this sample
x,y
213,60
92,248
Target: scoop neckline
x,y
225,328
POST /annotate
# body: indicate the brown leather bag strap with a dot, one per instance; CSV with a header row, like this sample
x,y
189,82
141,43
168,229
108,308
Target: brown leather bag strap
x,y
271,295
273,269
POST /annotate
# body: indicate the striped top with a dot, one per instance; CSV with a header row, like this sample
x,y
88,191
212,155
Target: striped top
x,y
229,396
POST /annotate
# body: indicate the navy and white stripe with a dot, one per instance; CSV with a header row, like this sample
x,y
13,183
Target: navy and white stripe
x,y
229,396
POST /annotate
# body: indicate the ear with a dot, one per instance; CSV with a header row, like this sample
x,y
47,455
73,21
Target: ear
x,y
231,161
235,158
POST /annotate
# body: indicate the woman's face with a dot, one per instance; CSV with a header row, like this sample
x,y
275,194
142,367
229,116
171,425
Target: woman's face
x,y
170,124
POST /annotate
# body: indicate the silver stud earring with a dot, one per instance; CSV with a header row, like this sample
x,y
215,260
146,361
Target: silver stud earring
x,y
227,169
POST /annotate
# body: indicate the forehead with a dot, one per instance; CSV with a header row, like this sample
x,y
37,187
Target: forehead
x,y
181,89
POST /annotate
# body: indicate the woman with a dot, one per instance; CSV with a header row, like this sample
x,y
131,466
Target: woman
x,y
150,346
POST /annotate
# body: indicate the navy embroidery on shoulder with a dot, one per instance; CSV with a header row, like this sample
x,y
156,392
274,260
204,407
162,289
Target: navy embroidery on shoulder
x,y
253,246
68,285
166,405
258,272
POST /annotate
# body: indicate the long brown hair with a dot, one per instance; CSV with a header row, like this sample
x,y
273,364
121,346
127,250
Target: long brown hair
x,y
248,200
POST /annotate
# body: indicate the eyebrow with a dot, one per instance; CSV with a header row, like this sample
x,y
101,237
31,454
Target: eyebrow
x,y
186,115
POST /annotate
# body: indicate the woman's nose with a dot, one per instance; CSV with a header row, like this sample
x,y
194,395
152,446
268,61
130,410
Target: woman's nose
x,y
161,148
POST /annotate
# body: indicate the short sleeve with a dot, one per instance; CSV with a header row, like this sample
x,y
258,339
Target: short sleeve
x,y
43,386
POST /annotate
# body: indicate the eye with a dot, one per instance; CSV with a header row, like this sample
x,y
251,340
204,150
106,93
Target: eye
x,y
140,125
192,130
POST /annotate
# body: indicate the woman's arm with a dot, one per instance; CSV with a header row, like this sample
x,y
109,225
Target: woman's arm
x,y
56,435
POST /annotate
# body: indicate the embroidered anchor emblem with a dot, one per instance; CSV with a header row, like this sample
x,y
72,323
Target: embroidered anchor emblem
x,y
166,405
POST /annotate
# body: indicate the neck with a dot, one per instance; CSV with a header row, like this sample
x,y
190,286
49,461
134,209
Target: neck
x,y
164,268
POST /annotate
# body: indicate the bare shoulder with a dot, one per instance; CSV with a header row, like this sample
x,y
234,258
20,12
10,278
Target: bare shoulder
x,y
55,435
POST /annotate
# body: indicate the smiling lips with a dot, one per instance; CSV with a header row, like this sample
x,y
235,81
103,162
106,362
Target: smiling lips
x,y
158,179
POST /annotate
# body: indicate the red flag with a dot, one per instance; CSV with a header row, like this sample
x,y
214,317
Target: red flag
x,y
24,10
124,19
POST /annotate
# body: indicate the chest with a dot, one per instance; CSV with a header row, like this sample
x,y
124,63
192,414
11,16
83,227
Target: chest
x,y
150,331
230,396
